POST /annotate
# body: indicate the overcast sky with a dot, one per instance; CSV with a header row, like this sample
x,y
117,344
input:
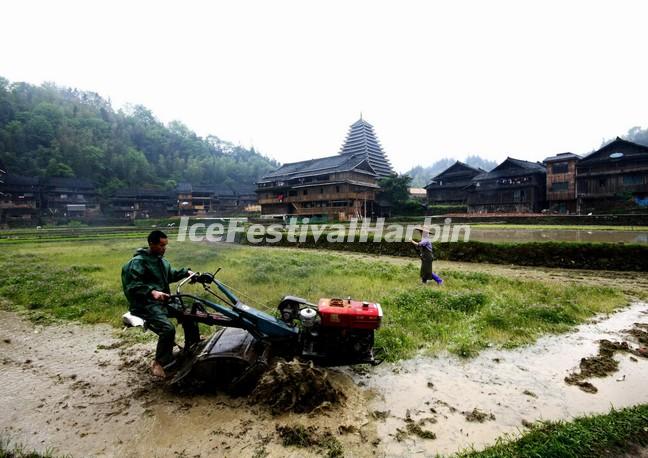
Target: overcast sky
x,y
436,79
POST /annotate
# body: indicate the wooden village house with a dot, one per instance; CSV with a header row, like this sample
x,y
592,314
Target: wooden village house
x,y
137,203
514,186
612,178
69,198
450,187
19,199
337,187
333,188
561,182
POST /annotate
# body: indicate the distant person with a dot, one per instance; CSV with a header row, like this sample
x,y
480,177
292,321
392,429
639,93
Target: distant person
x,y
425,252
145,279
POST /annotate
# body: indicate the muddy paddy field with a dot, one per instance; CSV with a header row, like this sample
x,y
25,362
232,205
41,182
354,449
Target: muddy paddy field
x,y
78,384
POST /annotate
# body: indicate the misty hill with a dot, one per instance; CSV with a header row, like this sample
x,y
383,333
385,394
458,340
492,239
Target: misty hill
x,y
421,176
54,131
635,135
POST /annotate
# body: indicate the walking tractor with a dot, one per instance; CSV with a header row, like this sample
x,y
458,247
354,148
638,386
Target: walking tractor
x,y
334,332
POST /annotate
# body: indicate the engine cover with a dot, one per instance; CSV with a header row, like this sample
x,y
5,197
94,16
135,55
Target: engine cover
x,y
349,314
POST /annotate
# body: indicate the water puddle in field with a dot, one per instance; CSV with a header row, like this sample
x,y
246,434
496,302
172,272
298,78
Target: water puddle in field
x,y
557,235
79,391
472,402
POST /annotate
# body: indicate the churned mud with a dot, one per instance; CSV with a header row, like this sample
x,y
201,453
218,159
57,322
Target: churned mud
x,y
473,402
81,391
295,386
604,364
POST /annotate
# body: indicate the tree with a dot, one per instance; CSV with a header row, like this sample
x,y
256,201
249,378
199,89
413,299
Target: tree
x,y
56,169
394,189
86,137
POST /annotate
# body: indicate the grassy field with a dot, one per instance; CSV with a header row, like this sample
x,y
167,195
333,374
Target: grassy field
x,y
10,450
609,435
471,311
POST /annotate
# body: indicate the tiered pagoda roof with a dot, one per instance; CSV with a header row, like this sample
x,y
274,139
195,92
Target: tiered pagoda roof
x,y
362,139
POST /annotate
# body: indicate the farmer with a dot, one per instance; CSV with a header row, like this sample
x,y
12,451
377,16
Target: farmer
x,y
425,252
145,279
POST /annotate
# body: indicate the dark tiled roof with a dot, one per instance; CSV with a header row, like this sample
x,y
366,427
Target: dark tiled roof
x,y
243,189
59,182
19,180
184,187
314,167
141,192
629,150
512,167
457,170
218,190
562,157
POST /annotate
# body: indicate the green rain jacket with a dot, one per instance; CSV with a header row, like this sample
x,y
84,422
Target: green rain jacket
x,y
144,273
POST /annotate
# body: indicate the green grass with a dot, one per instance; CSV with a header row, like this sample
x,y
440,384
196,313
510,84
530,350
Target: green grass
x,y
607,435
81,281
9,450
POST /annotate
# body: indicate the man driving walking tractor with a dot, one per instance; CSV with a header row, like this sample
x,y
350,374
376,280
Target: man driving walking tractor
x,y
145,279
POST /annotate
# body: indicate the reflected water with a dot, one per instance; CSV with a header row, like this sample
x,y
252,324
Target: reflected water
x,y
556,235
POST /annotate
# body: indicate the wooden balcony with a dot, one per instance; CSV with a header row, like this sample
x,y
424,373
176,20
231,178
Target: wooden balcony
x,y
561,195
314,197
27,204
324,211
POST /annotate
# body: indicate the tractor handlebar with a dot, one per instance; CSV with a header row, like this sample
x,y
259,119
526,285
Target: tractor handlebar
x,y
196,277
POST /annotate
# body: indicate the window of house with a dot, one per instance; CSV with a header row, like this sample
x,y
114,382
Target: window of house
x,y
337,189
559,186
321,190
560,167
601,182
632,179
292,193
305,192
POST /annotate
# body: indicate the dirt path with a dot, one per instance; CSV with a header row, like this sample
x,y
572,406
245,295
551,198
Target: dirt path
x,y
72,388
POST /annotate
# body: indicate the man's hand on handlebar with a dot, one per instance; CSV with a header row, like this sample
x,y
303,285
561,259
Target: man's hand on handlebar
x,y
159,296
197,277
205,278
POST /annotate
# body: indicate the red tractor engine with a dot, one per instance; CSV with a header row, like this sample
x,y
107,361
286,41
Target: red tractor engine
x,y
349,314
334,332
